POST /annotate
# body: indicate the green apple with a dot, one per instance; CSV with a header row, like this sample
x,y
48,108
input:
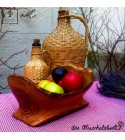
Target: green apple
x,y
43,83
53,87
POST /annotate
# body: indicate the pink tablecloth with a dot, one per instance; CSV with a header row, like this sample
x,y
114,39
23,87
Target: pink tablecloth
x,y
102,114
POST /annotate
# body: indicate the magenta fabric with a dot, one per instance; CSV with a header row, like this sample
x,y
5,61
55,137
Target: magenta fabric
x,y
103,114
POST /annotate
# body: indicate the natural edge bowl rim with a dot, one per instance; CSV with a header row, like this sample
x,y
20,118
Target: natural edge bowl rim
x,y
52,94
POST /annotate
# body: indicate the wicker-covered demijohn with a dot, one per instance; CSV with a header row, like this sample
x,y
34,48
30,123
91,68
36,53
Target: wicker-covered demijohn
x,y
65,45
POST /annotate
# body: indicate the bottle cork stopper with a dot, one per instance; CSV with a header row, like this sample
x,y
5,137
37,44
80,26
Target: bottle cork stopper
x,y
63,13
36,40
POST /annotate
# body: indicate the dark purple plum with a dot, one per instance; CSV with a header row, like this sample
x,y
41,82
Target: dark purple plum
x,y
58,73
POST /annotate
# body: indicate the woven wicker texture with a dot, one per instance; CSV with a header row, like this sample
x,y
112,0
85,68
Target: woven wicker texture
x,y
65,45
36,69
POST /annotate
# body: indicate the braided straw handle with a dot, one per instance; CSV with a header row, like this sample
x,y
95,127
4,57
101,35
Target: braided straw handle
x,y
83,21
46,60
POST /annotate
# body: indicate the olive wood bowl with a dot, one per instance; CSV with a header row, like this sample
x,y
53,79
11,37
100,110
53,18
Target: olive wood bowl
x,y
38,106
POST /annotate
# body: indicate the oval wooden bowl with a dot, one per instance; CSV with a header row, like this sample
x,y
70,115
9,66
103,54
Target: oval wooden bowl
x,y
38,106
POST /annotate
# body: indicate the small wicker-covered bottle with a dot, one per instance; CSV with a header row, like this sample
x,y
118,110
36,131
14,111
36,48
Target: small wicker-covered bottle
x,y
65,45
36,69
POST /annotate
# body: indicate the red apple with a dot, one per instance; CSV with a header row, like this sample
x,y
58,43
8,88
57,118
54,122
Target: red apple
x,y
60,83
72,81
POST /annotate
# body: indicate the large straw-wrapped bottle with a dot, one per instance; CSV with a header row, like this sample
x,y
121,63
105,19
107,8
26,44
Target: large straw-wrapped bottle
x,y
65,45
36,69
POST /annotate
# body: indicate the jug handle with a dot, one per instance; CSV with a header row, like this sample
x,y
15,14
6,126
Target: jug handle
x,y
45,60
83,21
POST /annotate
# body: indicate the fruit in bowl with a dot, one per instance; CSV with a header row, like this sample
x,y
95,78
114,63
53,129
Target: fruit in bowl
x,y
53,87
65,81
71,81
58,73
42,83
